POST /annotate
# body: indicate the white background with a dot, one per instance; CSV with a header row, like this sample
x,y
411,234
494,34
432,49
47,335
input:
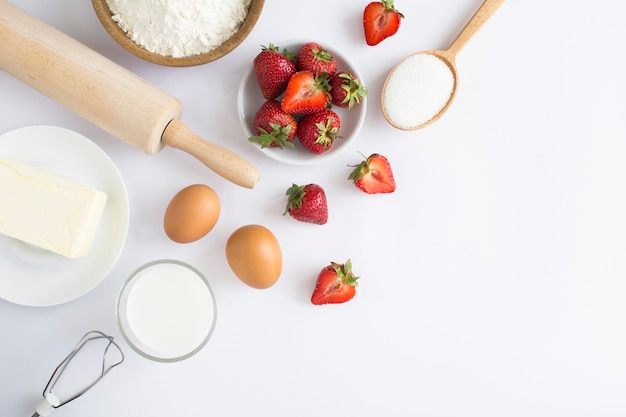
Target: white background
x,y
492,279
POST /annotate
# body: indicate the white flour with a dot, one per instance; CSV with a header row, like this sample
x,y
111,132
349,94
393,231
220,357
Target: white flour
x,y
179,28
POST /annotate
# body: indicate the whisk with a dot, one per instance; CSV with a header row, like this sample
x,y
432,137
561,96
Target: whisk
x,y
50,400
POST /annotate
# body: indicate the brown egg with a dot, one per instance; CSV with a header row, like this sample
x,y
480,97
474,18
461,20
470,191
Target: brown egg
x,y
254,255
191,213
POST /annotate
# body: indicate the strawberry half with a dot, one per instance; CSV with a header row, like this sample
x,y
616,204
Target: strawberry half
x,y
313,57
273,70
318,131
345,90
273,127
374,175
307,203
380,21
306,93
335,284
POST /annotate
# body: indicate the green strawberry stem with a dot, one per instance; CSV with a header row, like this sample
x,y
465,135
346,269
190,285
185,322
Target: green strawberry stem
x,y
295,194
344,273
278,135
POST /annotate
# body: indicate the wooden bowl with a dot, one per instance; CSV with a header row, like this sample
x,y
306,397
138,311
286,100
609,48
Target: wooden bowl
x,y
104,15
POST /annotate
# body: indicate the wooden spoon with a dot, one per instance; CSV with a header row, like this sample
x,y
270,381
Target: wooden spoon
x,y
444,96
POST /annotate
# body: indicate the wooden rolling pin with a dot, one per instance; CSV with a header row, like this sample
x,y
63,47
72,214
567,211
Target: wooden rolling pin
x,y
105,93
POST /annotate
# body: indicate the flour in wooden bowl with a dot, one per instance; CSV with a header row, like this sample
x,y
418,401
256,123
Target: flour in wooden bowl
x,y
179,28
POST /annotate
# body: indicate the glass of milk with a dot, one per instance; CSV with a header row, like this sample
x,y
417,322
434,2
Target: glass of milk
x,y
166,310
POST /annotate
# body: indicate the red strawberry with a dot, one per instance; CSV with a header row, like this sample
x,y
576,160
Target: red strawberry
x,y
318,131
346,90
380,21
306,93
273,70
374,175
313,57
335,284
273,127
307,203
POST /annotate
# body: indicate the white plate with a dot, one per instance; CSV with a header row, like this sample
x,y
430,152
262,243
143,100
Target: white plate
x,y
36,277
249,100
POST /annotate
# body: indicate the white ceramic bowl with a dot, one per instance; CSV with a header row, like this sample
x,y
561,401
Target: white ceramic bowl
x,y
249,100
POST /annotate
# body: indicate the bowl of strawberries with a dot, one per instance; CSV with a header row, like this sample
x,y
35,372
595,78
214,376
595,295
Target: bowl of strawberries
x,y
301,102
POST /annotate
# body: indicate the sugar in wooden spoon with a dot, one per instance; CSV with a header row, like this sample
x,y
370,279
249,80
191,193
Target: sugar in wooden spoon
x,y
421,87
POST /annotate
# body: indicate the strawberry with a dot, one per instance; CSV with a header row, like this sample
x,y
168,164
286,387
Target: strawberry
x,y
345,90
273,70
335,284
307,203
273,127
318,131
313,57
374,175
380,21
306,93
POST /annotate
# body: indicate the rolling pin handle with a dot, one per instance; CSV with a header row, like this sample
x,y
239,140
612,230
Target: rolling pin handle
x,y
222,161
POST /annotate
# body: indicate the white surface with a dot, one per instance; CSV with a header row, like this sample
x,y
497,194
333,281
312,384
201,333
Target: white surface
x,y
493,279
33,276
250,99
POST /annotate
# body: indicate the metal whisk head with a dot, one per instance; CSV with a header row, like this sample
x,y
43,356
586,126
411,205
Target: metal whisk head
x,y
50,400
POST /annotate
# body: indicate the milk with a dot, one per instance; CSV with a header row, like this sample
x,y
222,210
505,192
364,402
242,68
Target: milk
x,y
168,309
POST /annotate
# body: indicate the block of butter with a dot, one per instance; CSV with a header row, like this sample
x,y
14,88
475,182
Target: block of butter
x,y
47,210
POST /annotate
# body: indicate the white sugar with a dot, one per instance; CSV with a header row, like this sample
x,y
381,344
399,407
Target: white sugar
x,y
418,89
